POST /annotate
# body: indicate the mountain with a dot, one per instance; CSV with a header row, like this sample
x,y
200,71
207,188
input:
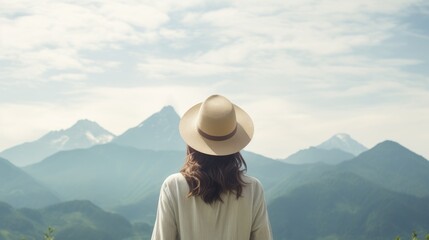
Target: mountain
x,y
82,134
392,166
313,155
343,142
306,201
20,190
107,174
306,174
84,220
71,220
269,171
15,225
342,205
127,179
158,132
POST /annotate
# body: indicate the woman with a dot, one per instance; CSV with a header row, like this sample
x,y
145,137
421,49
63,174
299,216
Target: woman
x,y
211,197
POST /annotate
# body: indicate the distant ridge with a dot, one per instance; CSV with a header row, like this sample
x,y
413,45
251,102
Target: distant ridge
x,y
342,205
338,148
83,134
314,155
300,196
74,220
378,194
392,166
20,189
343,142
158,132
106,174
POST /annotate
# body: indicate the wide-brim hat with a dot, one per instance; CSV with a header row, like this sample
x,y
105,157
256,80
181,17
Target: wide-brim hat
x,y
216,127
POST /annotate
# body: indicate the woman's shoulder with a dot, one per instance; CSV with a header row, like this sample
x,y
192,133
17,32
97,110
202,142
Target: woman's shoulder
x,y
174,179
252,181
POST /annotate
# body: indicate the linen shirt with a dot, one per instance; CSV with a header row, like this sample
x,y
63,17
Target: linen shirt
x,y
190,218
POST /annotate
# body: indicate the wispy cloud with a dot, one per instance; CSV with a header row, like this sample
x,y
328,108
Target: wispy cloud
x,y
117,109
172,68
305,69
53,35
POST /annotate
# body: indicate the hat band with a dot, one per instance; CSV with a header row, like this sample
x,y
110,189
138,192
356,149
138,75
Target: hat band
x,y
217,138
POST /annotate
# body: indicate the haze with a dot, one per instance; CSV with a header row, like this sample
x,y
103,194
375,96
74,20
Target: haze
x,y
304,70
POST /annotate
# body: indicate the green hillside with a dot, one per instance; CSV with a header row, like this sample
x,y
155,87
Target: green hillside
x,y
21,190
342,205
127,179
392,166
305,201
269,171
306,174
83,220
71,220
107,174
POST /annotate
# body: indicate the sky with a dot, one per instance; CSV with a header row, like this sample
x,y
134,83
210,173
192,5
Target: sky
x,y
303,69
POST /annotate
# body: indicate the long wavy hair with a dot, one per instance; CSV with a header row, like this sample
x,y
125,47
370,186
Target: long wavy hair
x,y
209,176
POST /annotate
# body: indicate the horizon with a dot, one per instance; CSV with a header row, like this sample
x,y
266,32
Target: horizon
x,y
304,71
245,149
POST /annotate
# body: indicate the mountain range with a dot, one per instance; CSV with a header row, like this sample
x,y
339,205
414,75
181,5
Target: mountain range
x,y
380,194
338,148
79,219
326,192
82,134
22,190
158,132
394,167
109,174
343,142
314,154
342,205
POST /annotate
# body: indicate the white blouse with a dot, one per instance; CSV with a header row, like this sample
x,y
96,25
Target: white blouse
x,y
190,218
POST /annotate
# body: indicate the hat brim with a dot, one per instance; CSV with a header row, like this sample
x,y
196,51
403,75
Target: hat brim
x,y
189,131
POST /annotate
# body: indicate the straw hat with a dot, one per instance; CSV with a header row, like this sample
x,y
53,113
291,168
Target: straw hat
x,y
216,127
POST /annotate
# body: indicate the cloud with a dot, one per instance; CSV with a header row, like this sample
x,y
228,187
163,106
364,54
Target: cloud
x,y
305,69
172,33
298,27
138,14
81,26
172,68
293,40
116,109
68,77
27,121
63,36
56,36
282,124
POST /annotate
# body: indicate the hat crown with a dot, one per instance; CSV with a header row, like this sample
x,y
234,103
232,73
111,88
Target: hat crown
x,y
216,116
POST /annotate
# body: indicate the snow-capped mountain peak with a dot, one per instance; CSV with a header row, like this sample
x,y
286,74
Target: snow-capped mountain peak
x,y
84,124
343,142
83,134
343,136
100,139
61,141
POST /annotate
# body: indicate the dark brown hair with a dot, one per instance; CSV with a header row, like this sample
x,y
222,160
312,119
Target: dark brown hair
x,y
209,176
